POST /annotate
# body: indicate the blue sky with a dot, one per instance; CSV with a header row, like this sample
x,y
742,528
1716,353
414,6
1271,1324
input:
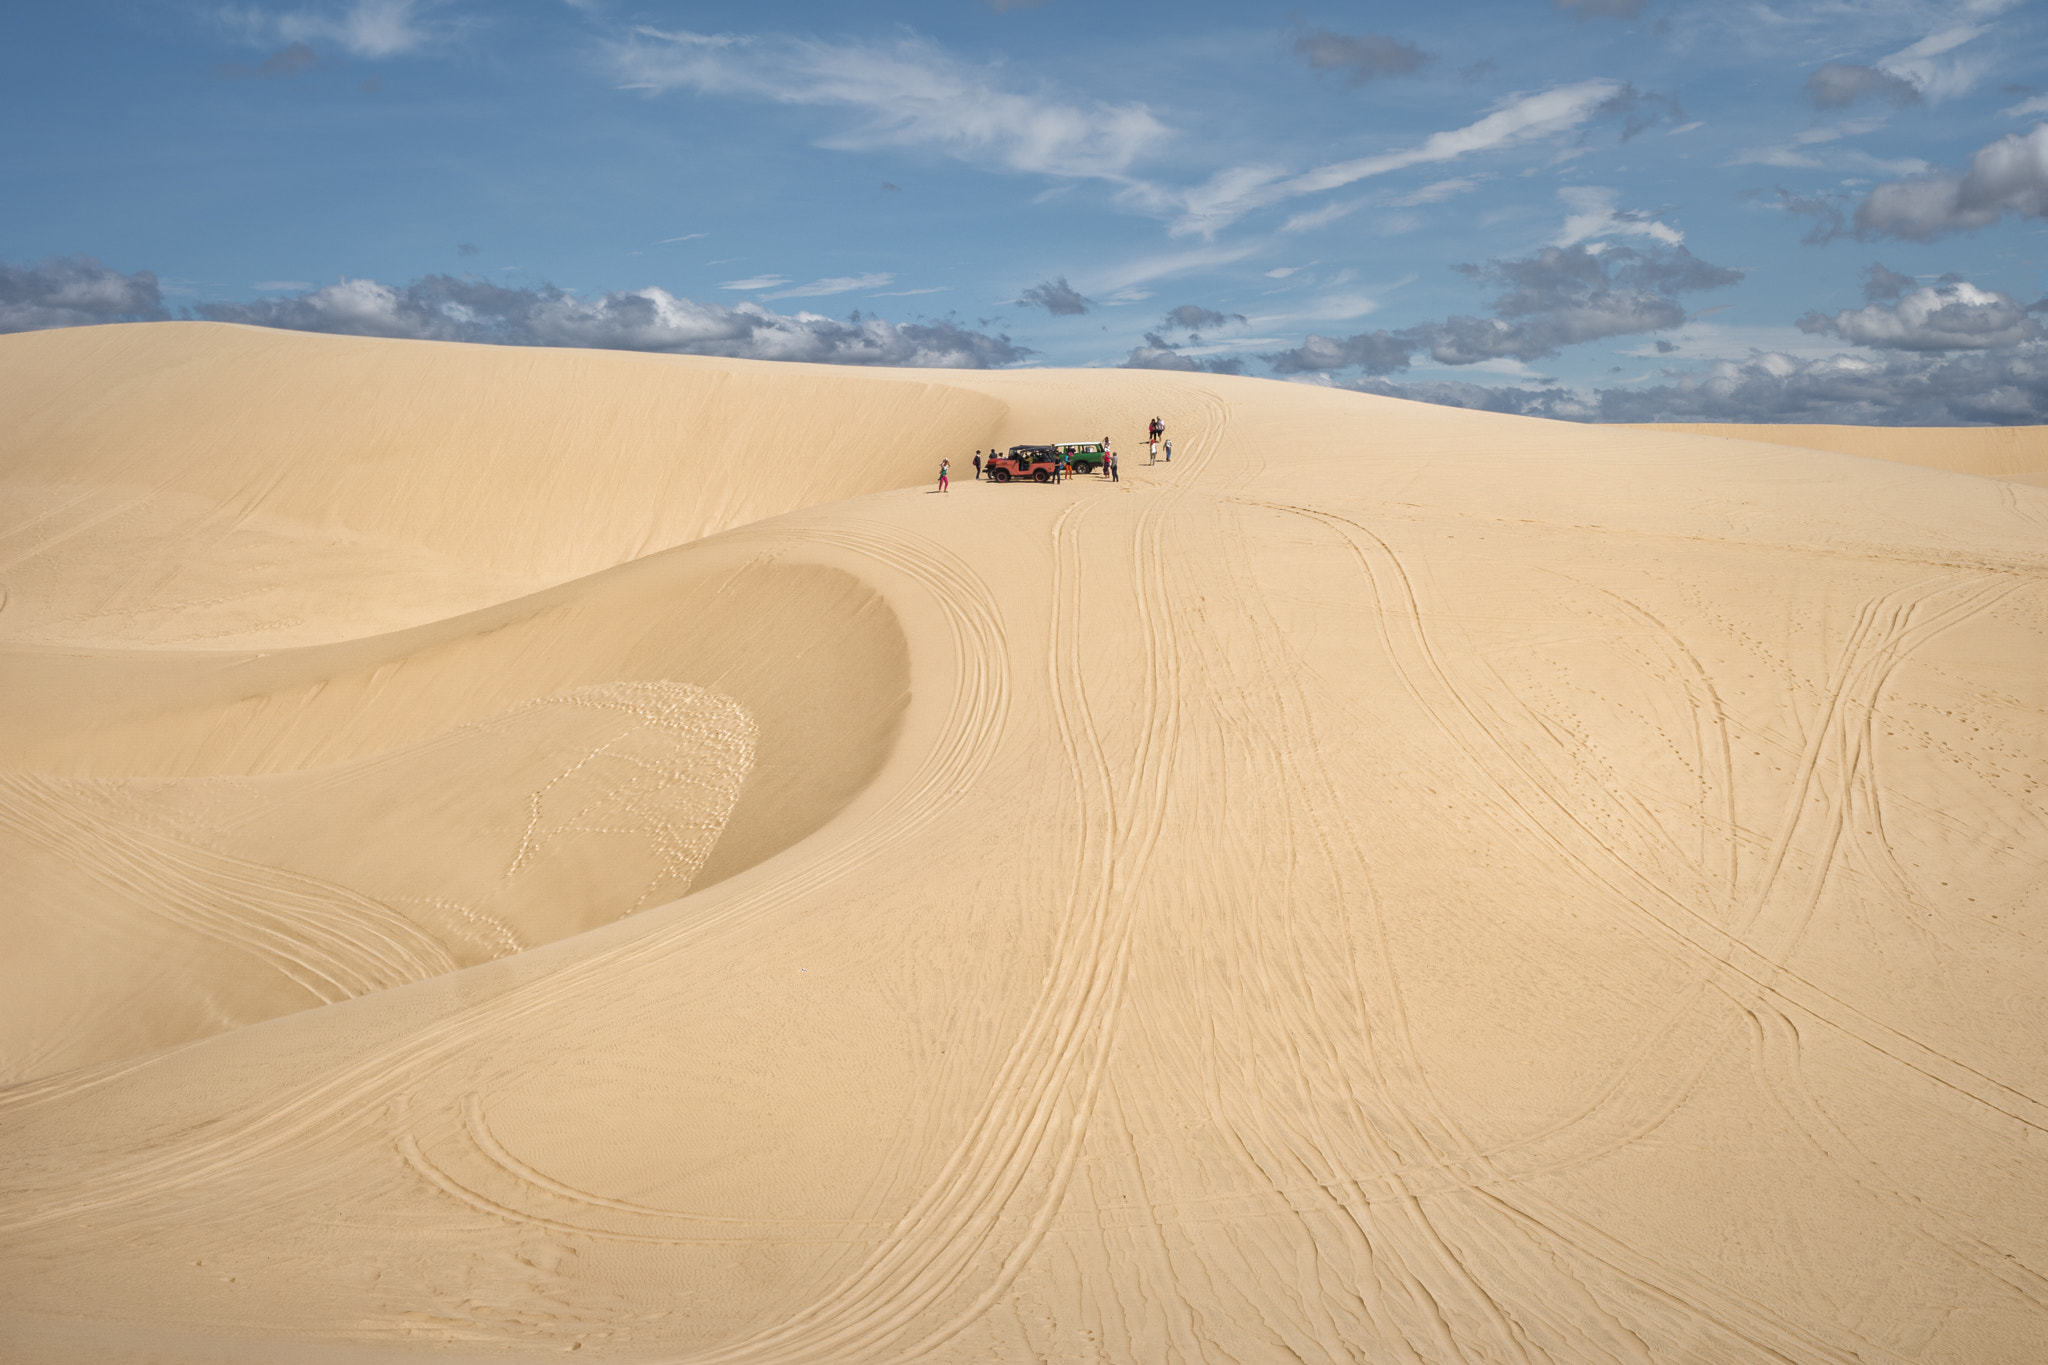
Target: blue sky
x,y
1619,209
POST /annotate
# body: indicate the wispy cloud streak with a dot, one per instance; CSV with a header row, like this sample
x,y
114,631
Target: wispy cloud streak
x,y
911,93
1234,193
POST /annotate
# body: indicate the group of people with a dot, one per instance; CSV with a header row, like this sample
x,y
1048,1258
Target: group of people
x,y
1153,437
1063,464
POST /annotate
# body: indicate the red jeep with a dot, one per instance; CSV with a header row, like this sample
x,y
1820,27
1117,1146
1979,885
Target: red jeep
x,y
1023,462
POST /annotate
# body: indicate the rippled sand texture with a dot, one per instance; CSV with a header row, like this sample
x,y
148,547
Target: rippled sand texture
x,y
510,852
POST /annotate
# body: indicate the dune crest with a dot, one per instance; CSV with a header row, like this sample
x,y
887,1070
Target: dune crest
x,y
1394,883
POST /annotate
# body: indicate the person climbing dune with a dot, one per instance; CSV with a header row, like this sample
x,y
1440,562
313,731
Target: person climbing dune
x,y
945,468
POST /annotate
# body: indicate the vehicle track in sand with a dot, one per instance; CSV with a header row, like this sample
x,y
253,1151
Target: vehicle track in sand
x,y
1523,793
1887,632
1015,1159
330,942
1320,1107
1467,1163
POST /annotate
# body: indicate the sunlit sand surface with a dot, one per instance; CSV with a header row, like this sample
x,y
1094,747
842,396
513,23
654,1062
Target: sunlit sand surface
x,y
512,852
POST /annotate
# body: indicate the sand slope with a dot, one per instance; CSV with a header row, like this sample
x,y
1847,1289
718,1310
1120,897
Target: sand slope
x,y
2016,453
1396,884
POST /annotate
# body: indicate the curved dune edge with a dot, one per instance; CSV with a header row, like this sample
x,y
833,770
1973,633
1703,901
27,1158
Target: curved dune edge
x,y
1396,882
345,819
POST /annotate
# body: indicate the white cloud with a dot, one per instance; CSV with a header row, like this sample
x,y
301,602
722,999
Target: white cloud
x,y
2037,105
1907,165
364,28
1145,269
1788,156
1721,341
686,237
2006,176
1957,316
1311,219
1938,79
907,293
1333,308
912,93
1835,132
1231,194
757,282
837,284
1437,191
1592,214
1782,157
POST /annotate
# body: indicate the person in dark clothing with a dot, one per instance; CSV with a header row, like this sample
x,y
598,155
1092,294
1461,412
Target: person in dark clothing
x,y
977,464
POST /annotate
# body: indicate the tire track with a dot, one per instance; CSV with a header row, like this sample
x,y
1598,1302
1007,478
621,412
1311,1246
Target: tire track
x,y
1419,669
330,942
1056,1067
1478,1170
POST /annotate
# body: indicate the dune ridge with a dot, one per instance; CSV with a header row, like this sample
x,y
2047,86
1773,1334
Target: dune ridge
x,y
1395,883
2016,453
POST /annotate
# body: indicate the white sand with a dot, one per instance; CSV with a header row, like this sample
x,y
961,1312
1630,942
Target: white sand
x,y
1396,884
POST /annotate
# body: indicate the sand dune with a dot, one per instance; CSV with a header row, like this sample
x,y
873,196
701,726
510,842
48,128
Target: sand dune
x,y
520,851
2016,453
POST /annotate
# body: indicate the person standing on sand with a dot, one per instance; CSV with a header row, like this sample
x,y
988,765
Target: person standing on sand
x,y
977,464
1114,477
1169,452
945,468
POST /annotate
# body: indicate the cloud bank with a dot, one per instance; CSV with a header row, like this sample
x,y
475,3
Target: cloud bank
x,y
443,308
74,291
2007,388
1561,296
1160,354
